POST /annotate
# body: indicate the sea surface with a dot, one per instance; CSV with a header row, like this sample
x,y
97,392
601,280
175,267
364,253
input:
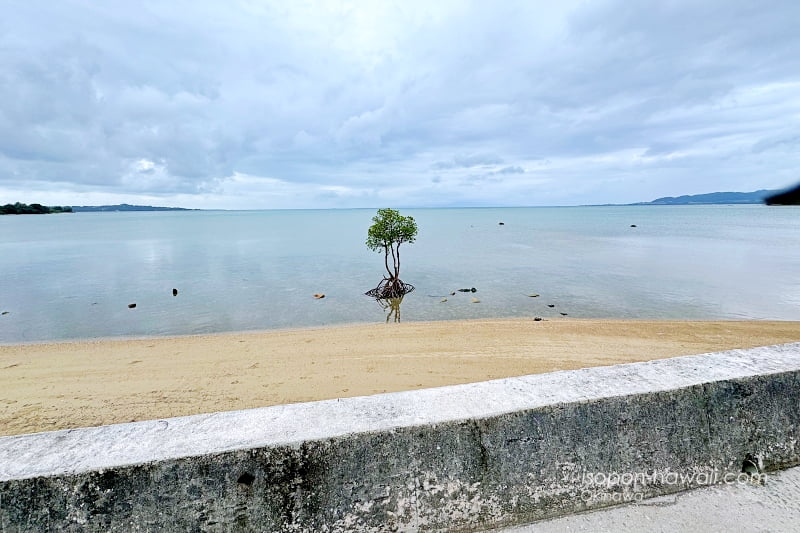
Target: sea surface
x,y
72,276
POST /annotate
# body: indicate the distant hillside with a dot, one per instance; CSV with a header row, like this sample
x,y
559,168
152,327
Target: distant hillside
x,y
33,209
756,197
789,197
124,207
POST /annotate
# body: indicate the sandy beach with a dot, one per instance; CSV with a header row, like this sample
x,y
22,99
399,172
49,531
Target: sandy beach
x,y
77,384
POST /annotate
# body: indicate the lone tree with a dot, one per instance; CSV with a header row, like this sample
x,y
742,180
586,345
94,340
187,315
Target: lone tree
x,y
389,231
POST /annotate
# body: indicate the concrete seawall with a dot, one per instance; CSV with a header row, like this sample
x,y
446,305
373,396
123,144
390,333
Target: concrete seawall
x,y
459,458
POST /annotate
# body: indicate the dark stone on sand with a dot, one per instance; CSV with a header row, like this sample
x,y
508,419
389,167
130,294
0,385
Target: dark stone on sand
x,y
537,319
131,306
174,292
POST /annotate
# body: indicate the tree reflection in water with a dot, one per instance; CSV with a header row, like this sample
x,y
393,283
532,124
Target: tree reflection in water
x,y
392,306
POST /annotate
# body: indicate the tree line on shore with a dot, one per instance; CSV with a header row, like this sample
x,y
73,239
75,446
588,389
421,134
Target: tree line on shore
x,y
32,209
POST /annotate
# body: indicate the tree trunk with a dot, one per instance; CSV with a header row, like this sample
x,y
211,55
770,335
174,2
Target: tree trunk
x,y
397,263
386,260
394,263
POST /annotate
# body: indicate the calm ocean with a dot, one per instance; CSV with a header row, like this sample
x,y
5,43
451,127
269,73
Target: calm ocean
x,y
73,275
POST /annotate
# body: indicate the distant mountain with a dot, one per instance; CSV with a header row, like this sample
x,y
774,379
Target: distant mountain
x,y
755,197
124,207
33,209
789,197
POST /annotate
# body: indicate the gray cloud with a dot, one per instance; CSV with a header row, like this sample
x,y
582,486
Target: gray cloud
x,y
274,104
511,170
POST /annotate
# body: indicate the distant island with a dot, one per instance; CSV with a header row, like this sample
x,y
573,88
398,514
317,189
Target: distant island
x,y
33,209
788,197
124,207
755,197
39,209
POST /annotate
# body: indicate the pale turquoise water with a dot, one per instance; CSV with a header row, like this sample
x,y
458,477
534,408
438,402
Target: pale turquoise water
x,y
72,275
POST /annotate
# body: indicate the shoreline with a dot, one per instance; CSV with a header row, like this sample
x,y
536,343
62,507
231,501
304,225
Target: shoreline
x,y
77,383
405,323
123,338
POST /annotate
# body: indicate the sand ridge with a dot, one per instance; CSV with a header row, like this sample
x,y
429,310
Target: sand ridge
x,y
87,383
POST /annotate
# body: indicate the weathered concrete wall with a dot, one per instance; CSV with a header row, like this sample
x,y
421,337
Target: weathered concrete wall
x,y
449,459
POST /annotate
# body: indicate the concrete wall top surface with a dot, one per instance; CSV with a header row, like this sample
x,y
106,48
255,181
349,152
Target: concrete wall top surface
x,y
98,448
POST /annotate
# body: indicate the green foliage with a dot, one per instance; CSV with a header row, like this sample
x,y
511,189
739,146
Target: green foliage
x,y
33,209
389,230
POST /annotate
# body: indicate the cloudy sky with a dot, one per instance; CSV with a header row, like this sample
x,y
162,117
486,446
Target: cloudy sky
x,y
292,104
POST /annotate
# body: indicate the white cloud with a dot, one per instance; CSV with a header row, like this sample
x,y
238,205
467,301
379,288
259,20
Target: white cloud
x,y
336,104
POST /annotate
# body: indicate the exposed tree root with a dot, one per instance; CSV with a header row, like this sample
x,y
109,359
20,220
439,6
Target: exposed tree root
x,y
390,288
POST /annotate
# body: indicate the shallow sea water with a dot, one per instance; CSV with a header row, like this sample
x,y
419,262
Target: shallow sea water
x,y
73,275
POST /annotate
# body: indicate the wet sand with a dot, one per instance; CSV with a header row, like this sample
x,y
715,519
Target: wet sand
x,y
77,384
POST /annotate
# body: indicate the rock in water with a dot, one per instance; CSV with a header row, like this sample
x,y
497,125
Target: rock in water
x,y
131,306
174,292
